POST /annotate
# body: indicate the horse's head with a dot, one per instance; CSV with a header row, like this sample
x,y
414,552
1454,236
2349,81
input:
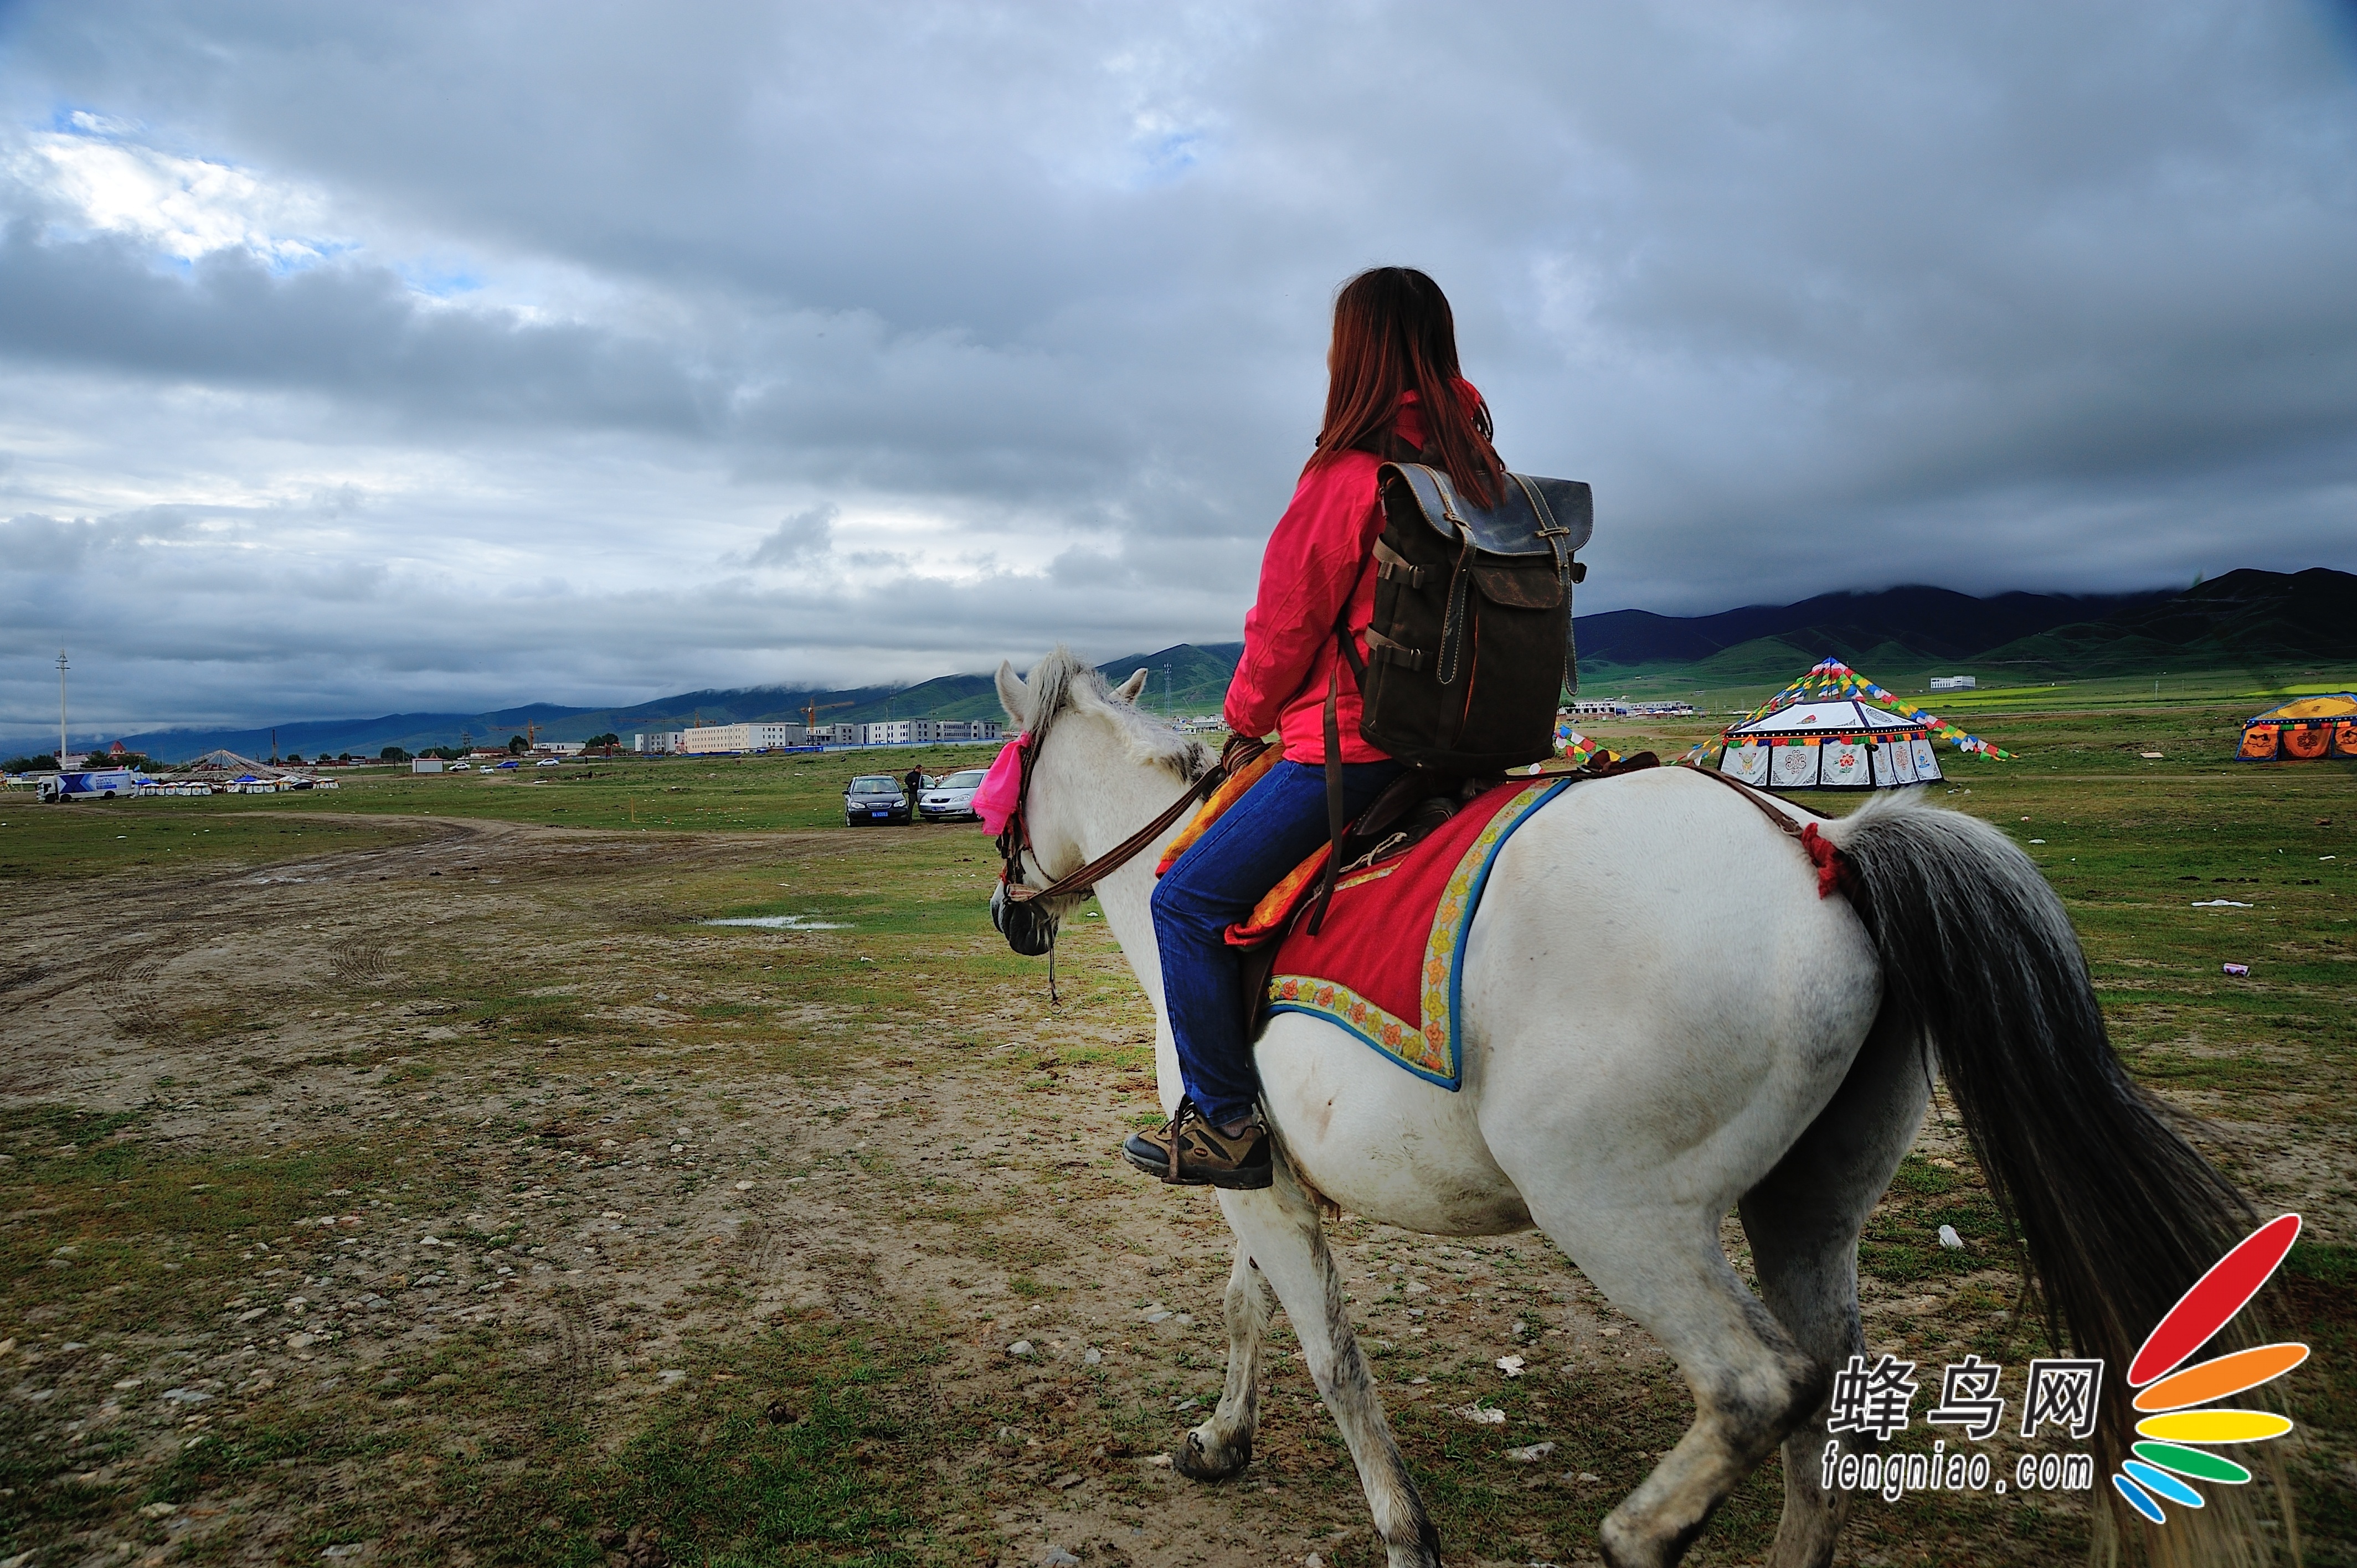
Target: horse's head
x,y
1080,729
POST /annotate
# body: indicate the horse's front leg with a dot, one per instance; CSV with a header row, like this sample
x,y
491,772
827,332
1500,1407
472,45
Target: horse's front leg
x,y
1279,1231
1222,1445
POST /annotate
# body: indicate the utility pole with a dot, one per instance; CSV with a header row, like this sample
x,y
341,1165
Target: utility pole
x,y
1168,710
61,709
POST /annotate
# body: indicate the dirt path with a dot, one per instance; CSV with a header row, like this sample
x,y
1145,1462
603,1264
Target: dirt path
x,y
344,1181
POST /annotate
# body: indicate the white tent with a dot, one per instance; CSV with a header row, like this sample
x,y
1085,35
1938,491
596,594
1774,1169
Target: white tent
x,y
1840,744
1835,729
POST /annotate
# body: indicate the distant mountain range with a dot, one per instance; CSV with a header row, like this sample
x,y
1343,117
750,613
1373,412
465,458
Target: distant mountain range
x,y
2270,623
1197,682
2267,623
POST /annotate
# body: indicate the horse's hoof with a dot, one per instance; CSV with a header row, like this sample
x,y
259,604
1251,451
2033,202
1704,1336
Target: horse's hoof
x,y
1193,1460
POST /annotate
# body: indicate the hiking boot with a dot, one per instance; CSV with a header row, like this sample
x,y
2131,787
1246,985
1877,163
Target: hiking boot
x,y
1189,1152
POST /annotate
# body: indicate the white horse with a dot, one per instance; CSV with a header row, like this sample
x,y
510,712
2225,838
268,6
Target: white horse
x,y
1663,1021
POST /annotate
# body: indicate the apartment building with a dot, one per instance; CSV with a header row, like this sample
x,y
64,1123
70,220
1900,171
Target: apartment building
x,y
710,738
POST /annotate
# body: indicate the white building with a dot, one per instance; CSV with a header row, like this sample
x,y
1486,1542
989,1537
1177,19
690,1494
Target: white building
x,y
899,732
709,738
425,765
1954,682
965,729
659,742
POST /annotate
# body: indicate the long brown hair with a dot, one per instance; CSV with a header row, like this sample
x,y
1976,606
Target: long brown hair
x,y
1395,333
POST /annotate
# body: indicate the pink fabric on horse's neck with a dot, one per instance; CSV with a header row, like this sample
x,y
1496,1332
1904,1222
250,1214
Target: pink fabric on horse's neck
x,y
996,800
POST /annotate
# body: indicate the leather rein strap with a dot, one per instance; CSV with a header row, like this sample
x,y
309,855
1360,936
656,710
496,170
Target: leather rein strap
x,y
1833,873
1011,843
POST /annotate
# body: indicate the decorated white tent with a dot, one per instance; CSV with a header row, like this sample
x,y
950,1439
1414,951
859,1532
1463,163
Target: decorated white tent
x,y
1835,729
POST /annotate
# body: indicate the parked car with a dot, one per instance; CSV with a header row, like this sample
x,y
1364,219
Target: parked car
x,y
874,798
950,799
550,762
462,768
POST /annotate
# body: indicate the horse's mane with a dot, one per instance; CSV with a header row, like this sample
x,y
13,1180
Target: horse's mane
x,y
1062,682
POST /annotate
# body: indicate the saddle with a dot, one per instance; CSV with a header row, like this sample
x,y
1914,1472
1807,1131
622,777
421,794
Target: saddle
x,y
1415,806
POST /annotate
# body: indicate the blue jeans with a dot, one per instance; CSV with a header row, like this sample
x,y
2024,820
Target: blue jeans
x,y
1215,883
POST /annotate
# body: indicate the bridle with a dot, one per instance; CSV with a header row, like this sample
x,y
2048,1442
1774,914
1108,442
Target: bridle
x,y
1031,930
1016,836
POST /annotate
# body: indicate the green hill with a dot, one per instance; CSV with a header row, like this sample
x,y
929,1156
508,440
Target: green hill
x,y
2271,629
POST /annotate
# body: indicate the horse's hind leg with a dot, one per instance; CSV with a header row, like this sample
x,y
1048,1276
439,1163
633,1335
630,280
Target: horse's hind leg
x,y
1803,1222
1279,1231
1660,1261
1222,1445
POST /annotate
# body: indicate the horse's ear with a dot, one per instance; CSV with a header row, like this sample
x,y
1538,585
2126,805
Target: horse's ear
x,y
1012,694
1133,686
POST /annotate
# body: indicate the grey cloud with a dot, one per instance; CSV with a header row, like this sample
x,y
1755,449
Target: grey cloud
x,y
798,539
352,331
2003,297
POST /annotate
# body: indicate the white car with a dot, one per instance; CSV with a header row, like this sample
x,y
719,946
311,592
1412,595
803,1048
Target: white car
x,y
951,798
550,762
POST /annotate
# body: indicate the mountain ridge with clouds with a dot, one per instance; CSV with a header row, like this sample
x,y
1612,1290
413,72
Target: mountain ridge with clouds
x,y
2267,622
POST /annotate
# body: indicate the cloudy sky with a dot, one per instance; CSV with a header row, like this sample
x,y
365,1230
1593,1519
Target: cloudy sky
x,y
359,358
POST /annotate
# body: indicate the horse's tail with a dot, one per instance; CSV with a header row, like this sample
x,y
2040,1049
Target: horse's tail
x,y
2118,1214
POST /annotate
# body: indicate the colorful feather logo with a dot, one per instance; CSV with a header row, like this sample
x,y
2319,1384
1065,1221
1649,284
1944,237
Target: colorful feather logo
x,y
2164,1463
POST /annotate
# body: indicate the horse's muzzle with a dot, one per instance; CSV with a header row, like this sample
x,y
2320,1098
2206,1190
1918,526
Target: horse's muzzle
x,y
1029,929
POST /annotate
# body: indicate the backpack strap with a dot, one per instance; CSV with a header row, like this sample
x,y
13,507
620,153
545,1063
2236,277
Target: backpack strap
x,y
1391,566
1452,619
1566,570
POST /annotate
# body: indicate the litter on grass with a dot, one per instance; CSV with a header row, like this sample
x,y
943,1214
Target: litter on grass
x,y
1481,1414
2236,967
781,923
1950,1240
1530,1456
2217,903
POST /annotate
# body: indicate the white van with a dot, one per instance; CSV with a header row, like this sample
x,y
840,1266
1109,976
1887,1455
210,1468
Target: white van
x,y
105,784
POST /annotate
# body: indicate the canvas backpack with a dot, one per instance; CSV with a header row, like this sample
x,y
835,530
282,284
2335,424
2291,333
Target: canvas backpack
x,y
1470,648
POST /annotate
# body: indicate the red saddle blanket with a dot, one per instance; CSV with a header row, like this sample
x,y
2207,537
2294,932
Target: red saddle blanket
x,y
1386,964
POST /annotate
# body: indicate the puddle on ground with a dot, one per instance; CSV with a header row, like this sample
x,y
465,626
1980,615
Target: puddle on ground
x,y
781,923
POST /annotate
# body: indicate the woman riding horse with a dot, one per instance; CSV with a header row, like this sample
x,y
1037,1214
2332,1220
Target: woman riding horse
x,y
1392,393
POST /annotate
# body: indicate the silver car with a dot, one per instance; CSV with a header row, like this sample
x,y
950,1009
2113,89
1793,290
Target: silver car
x,y
950,799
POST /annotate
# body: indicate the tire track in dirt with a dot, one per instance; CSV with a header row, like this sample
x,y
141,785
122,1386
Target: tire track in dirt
x,y
77,945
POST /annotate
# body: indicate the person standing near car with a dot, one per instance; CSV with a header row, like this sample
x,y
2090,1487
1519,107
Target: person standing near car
x,y
913,783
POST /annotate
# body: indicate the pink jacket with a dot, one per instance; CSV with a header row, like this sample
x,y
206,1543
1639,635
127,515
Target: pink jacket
x,y
1316,559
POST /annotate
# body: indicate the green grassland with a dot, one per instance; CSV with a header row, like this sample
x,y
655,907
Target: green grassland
x,y
1738,685
684,794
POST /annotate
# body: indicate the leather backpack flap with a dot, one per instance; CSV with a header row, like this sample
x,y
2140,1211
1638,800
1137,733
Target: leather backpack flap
x,y
1530,517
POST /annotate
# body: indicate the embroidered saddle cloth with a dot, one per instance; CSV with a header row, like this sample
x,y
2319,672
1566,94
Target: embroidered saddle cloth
x,y
1386,964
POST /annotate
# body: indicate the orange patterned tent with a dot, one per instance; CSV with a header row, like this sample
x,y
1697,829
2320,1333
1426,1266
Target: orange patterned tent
x,y
2302,730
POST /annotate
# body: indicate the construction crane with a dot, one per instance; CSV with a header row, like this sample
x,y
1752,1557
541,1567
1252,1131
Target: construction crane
x,y
811,712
